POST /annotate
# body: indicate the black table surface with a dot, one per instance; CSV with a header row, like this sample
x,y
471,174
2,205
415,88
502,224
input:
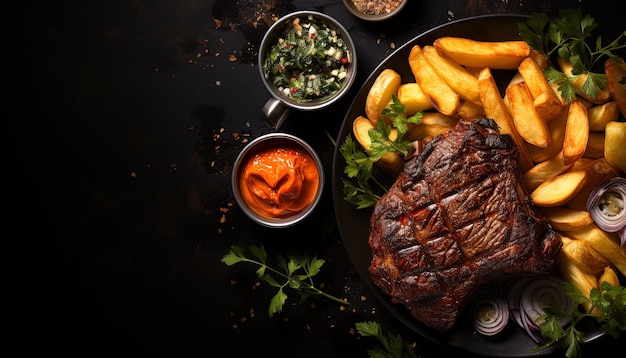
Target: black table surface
x,y
128,117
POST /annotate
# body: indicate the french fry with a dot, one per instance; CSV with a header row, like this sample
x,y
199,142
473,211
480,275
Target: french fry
x,y
432,124
544,171
566,219
559,189
602,114
470,111
615,75
529,125
494,108
413,98
584,256
556,127
455,75
584,281
598,172
607,244
501,55
576,133
602,96
443,98
390,163
595,145
547,104
384,87
608,275
614,139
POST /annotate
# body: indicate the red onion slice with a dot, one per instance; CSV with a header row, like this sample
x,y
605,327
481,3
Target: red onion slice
x,y
541,293
606,206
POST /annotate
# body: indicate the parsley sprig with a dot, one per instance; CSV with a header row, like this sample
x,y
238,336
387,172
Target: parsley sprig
x,y
386,346
608,308
361,188
569,36
295,271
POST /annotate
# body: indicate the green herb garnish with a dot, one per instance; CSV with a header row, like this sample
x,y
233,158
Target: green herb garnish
x,y
569,37
386,346
296,272
360,166
608,309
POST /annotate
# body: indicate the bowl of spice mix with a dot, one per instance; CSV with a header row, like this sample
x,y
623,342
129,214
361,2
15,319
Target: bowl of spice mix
x,y
374,10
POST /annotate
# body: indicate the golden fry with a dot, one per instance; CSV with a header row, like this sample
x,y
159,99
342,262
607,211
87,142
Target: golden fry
x,y
500,55
443,98
529,125
556,127
379,95
607,244
547,104
615,77
559,189
390,163
598,172
455,75
584,256
576,133
433,123
614,147
602,114
413,98
566,219
595,145
494,108
544,171
602,96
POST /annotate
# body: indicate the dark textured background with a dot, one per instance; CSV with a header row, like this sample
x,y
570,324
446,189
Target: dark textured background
x,y
127,118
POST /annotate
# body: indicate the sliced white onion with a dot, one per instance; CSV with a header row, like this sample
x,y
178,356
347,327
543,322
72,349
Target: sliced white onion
x,y
606,206
490,314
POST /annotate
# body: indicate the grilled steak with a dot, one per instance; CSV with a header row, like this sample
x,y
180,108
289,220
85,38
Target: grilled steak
x,y
456,218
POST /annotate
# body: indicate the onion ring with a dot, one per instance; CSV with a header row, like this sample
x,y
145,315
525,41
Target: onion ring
x,y
606,206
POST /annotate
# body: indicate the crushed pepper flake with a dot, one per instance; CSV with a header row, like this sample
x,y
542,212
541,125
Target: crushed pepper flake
x,y
232,58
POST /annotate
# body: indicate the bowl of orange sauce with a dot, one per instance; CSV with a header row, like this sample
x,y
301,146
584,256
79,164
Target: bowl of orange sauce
x,y
277,180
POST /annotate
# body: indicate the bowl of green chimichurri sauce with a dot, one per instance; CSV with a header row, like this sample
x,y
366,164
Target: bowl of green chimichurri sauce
x,y
307,61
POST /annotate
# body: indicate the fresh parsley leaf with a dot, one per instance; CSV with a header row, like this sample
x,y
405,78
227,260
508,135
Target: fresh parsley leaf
x,y
570,37
295,271
385,346
607,308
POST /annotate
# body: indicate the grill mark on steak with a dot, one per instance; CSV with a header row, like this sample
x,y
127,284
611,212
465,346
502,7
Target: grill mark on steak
x,y
457,218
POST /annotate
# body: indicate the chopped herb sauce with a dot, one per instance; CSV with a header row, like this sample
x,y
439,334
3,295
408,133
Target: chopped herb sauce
x,y
308,62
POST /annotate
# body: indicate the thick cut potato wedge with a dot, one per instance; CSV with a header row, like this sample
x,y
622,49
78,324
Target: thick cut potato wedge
x,y
560,189
616,83
494,107
614,145
566,67
544,171
500,55
529,124
595,145
584,281
455,75
432,124
384,87
470,111
566,219
602,114
608,275
443,98
584,256
547,104
598,172
390,163
413,98
576,133
607,244
556,127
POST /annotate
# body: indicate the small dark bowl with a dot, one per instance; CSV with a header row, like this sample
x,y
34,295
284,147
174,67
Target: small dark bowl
x,y
277,108
273,140
371,17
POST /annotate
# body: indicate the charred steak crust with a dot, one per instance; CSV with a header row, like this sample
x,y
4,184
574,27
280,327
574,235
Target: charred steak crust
x,y
456,218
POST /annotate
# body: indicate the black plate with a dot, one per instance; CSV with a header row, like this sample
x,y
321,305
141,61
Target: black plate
x,y
354,223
